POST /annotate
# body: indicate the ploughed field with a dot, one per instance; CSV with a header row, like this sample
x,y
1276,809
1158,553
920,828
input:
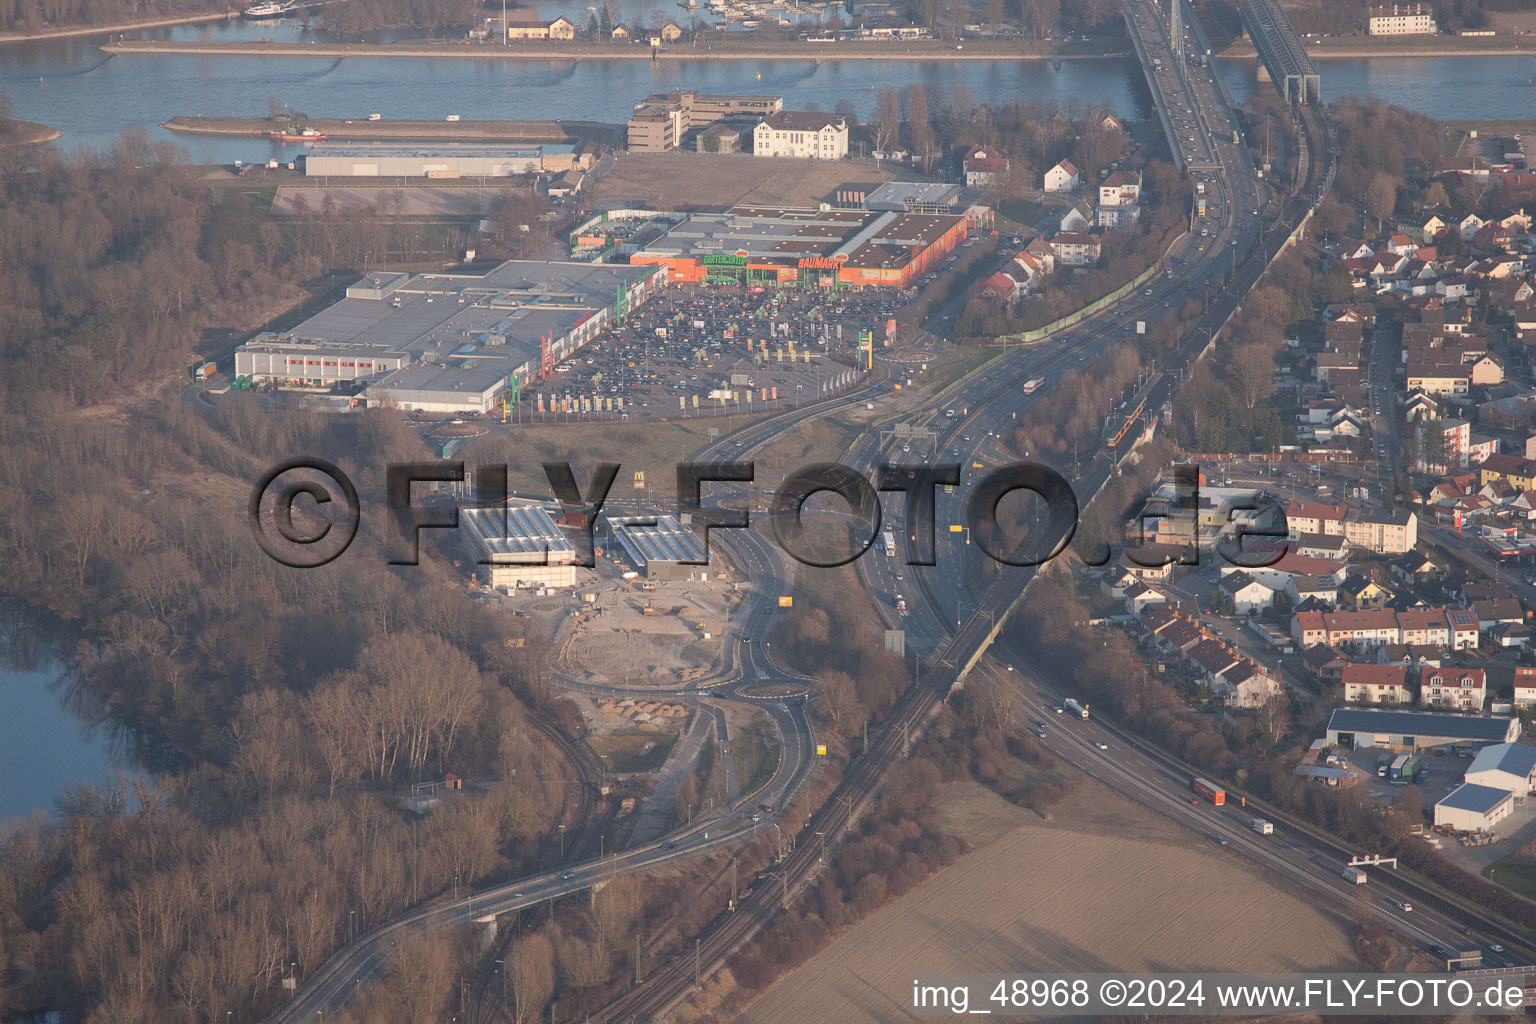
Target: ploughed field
x,y
1103,886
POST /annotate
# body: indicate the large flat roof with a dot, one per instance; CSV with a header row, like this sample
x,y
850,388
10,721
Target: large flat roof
x,y
664,540
1469,796
487,318
1413,723
1514,758
518,534
419,149
864,238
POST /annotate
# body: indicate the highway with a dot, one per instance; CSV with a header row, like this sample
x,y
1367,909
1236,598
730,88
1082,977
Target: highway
x,y
952,616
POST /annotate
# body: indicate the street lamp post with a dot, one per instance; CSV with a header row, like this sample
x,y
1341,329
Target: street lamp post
x,y
562,842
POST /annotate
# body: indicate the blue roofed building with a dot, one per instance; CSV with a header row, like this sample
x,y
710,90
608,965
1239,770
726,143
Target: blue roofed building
x,y
1510,766
1473,808
1412,730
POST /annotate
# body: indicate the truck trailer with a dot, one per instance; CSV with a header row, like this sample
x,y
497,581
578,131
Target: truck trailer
x,y
205,370
1212,792
890,544
1033,384
1080,710
1355,876
1262,827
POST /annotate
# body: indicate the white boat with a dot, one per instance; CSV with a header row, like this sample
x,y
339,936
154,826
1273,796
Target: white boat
x,y
265,10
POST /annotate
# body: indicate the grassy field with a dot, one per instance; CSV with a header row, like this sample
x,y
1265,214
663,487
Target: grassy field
x,y
1515,873
1104,886
756,757
633,751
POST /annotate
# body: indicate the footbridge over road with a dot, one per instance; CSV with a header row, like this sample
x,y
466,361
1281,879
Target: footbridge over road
x,y
1281,52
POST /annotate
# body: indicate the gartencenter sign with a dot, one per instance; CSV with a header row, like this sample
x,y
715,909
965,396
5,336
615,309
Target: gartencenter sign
x,y
724,259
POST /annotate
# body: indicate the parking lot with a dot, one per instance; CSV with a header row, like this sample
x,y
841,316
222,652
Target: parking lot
x,y
696,339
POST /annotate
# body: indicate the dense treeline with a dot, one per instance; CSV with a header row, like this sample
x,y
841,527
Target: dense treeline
x,y
839,642
120,263
37,15
283,710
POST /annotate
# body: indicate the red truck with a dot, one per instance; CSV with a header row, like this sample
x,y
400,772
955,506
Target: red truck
x,y
1212,792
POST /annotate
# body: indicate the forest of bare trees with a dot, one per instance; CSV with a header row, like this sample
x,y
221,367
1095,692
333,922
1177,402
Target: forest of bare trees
x,y
283,711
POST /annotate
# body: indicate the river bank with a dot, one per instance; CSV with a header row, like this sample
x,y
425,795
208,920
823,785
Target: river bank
x,y
101,30
927,50
402,129
1352,48
29,133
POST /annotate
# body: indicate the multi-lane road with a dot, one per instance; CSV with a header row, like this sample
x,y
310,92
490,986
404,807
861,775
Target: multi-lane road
x,y
950,620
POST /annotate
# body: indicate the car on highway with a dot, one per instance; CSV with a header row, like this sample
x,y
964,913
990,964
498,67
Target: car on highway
x,y
1220,839
1195,800
1100,745
1494,947
567,875
1040,733
746,639
669,845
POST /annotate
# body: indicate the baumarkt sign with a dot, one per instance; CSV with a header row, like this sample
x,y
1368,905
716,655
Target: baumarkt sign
x,y
724,259
818,263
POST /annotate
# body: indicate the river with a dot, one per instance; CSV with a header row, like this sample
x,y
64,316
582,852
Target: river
x,y
45,745
71,85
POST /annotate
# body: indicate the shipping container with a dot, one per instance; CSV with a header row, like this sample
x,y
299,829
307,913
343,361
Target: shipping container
x,y
1395,773
1212,792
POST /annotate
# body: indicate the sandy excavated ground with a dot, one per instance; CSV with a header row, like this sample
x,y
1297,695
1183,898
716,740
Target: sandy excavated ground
x,y
1105,886
678,180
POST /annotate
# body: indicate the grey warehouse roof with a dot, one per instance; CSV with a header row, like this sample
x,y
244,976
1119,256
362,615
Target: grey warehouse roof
x,y
666,541
1409,723
527,532
1469,796
1514,758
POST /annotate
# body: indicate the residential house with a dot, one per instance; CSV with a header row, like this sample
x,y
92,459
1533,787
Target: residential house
x,y
1375,684
1521,473
1525,688
1308,517
1247,594
1457,689
1382,531
1064,177
1247,685
985,166
1301,589
1361,592
1140,597
1072,249
806,134
1324,662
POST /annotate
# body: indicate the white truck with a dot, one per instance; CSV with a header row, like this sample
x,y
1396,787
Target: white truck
x,y
890,544
1354,875
1033,384
1262,827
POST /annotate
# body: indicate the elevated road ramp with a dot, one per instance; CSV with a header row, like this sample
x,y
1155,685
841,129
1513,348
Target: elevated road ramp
x,y
1281,52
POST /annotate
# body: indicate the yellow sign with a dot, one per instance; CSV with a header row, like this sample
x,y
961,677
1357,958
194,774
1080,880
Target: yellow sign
x,y
786,602
821,750
639,481
956,528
